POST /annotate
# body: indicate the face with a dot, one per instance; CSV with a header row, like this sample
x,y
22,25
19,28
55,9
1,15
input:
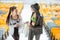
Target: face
x,y
14,14
32,10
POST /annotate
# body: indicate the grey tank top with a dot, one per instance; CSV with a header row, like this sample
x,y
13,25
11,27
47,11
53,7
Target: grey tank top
x,y
14,21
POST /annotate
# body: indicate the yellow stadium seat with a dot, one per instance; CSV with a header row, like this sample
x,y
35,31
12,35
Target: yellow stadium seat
x,y
57,22
58,17
5,26
56,33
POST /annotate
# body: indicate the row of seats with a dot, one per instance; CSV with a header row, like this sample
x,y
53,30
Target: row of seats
x,y
46,10
51,21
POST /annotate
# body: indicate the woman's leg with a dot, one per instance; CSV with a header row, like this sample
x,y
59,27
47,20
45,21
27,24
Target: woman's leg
x,y
16,34
37,32
37,37
30,37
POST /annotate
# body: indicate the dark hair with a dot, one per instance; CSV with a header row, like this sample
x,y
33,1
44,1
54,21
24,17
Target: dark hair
x,y
10,10
35,7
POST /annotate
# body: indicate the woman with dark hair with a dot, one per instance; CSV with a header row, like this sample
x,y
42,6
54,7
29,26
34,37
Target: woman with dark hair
x,y
36,23
13,21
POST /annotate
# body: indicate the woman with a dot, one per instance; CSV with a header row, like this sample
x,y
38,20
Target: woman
x,y
36,23
13,20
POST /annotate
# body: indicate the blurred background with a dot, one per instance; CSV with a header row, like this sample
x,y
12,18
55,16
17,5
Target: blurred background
x,y
50,10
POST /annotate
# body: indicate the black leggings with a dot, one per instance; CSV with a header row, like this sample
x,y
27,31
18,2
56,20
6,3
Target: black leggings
x,y
16,34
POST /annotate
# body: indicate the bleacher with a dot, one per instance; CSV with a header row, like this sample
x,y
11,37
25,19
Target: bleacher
x,y
51,19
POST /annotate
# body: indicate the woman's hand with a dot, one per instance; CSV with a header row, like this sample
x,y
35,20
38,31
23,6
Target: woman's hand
x,y
17,25
33,23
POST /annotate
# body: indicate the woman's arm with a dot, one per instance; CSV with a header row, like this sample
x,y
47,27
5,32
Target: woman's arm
x,y
19,22
34,19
